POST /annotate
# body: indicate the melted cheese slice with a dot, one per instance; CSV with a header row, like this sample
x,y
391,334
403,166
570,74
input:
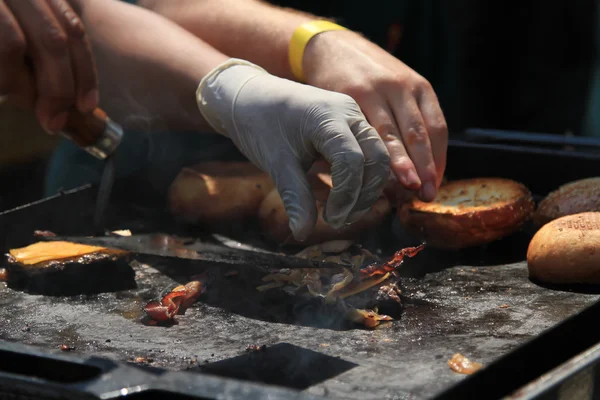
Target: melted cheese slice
x,y
50,251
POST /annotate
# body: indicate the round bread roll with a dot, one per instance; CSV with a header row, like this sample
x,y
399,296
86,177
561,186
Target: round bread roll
x,y
572,198
217,191
469,213
566,250
274,221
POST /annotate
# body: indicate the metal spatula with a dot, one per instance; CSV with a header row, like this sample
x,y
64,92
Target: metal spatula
x,y
161,245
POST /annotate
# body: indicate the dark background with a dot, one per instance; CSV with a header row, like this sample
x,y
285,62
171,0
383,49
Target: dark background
x,y
521,65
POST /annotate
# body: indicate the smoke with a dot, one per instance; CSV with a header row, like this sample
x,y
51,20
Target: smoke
x,y
131,114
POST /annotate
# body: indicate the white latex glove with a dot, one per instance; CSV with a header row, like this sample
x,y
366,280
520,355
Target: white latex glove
x,y
281,126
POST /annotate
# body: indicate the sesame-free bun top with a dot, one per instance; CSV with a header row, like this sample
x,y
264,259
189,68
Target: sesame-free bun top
x,y
571,198
566,250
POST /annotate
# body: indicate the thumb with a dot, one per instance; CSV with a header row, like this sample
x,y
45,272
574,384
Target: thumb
x,y
298,199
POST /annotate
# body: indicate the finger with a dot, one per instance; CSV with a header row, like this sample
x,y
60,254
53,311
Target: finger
x,y
25,95
86,82
437,129
376,167
416,140
12,49
337,144
380,116
297,197
48,49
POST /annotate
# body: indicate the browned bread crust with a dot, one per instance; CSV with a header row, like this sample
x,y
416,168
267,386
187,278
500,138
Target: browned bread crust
x,y
469,212
216,192
567,250
572,198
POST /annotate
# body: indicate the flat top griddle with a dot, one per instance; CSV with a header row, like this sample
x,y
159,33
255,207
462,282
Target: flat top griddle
x,y
457,310
479,303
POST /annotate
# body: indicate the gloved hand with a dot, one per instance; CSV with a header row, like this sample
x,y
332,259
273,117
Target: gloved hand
x,y
282,126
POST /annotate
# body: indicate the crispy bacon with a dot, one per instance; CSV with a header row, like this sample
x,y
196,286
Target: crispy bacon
x,y
176,302
360,286
158,312
142,360
462,365
255,347
369,318
393,264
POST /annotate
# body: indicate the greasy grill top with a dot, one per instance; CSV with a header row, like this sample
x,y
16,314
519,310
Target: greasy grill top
x,y
480,304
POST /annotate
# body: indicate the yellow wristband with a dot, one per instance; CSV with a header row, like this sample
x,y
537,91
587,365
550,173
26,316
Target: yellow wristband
x,y
302,35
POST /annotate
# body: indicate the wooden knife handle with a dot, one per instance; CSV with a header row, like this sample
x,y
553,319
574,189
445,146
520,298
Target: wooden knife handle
x,y
94,132
85,129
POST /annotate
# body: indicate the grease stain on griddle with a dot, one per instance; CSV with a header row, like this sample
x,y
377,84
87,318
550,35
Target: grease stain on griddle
x,y
135,313
68,337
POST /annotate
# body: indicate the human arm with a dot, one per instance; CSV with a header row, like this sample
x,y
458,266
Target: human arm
x,y
280,125
148,67
397,101
250,30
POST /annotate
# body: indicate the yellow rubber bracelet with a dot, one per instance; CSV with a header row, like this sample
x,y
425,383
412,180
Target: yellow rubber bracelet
x,y
302,35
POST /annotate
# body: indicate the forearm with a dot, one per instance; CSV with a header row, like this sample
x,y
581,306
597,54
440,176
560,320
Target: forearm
x,y
247,29
148,67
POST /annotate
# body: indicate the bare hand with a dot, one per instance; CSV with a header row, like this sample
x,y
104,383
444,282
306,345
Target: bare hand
x,y
399,103
46,61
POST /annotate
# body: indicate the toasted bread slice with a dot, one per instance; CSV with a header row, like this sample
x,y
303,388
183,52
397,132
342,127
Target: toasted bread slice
x,y
572,198
469,212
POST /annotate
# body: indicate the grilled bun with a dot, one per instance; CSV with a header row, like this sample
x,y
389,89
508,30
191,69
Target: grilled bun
x,y
217,191
274,221
572,198
469,213
566,250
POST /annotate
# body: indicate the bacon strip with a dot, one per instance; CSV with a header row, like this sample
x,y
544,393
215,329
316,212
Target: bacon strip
x,y
360,286
393,264
175,302
369,318
462,365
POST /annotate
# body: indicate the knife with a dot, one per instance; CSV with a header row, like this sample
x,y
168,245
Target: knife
x,y
161,245
97,134
100,136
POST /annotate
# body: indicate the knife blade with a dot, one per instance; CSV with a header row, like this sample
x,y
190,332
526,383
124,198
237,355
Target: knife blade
x,y
100,136
161,245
